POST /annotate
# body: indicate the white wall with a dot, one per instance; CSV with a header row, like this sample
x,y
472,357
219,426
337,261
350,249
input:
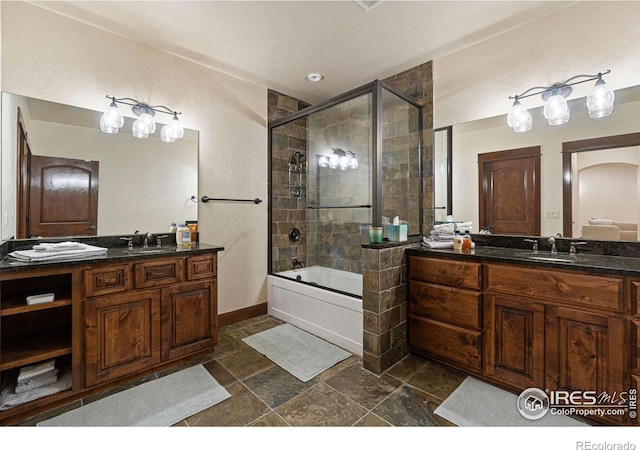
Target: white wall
x,y
589,37
53,58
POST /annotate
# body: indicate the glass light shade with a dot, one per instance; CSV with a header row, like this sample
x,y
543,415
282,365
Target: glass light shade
x,y
176,128
112,119
519,118
354,162
344,162
323,161
166,134
334,161
139,130
600,101
556,110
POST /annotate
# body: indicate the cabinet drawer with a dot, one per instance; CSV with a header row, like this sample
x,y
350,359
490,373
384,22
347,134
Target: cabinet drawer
x,y
199,267
558,286
448,304
159,272
443,271
445,342
108,279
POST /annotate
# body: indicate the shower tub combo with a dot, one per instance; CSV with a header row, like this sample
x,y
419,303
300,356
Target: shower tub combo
x,y
323,301
334,170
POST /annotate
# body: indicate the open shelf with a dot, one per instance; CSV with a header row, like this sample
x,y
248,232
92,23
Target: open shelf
x,y
34,347
14,293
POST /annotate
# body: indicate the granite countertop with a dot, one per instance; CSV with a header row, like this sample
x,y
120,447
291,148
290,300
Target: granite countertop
x,y
114,254
595,263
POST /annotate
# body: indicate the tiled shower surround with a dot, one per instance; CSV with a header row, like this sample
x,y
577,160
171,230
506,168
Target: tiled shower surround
x,y
331,232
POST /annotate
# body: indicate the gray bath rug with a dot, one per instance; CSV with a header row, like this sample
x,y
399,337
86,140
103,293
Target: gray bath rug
x,y
157,403
301,354
478,404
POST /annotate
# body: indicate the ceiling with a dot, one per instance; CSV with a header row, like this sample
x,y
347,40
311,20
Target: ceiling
x,y
277,43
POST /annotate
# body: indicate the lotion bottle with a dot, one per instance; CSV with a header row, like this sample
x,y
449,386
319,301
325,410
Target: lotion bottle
x,y
183,236
457,241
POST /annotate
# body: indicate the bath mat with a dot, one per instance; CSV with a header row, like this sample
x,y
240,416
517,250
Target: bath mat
x,y
478,404
157,403
301,354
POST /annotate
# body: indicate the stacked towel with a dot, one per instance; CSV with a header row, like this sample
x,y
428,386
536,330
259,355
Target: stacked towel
x,y
51,252
441,235
37,375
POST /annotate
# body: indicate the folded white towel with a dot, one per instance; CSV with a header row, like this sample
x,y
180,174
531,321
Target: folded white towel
x,y
58,246
39,256
37,381
464,224
36,369
431,243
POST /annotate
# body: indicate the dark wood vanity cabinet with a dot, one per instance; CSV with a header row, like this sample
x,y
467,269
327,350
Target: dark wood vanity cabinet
x,y
111,320
189,318
161,318
122,335
445,321
524,327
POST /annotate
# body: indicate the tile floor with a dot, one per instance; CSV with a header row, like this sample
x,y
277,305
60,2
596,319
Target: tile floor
x,y
264,395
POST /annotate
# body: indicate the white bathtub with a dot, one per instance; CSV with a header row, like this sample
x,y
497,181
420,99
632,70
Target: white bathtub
x,y
330,315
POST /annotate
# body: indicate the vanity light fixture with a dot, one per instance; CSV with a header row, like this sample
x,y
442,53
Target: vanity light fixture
x,y
340,159
556,110
113,119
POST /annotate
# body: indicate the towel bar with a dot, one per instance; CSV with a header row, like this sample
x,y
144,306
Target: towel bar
x,y
206,199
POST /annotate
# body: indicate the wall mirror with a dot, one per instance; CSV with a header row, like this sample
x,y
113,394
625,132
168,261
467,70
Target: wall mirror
x,y
142,184
493,135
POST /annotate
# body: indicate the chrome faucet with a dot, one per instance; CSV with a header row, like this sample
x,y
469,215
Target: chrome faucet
x,y
535,244
552,241
147,237
297,263
129,242
573,250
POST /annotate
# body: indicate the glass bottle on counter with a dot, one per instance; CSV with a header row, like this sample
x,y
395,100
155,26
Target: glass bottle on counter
x,y
466,241
457,241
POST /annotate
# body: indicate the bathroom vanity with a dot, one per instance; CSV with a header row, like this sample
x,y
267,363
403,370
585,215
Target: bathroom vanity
x,y
114,318
519,320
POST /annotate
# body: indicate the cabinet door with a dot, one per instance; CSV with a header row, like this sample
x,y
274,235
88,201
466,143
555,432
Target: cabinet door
x,y
514,340
122,335
584,351
189,318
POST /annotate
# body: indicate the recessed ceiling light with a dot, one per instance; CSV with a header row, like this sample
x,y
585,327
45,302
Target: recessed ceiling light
x,y
315,77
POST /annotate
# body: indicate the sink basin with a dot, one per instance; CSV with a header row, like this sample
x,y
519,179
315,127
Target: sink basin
x,y
151,250
565,259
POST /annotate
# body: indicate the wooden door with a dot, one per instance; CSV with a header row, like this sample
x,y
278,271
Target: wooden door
x,y
189,318
63,197
510,191
22,178
122,335
514,343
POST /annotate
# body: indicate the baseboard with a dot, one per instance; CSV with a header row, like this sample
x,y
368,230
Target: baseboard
x,y
242,314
